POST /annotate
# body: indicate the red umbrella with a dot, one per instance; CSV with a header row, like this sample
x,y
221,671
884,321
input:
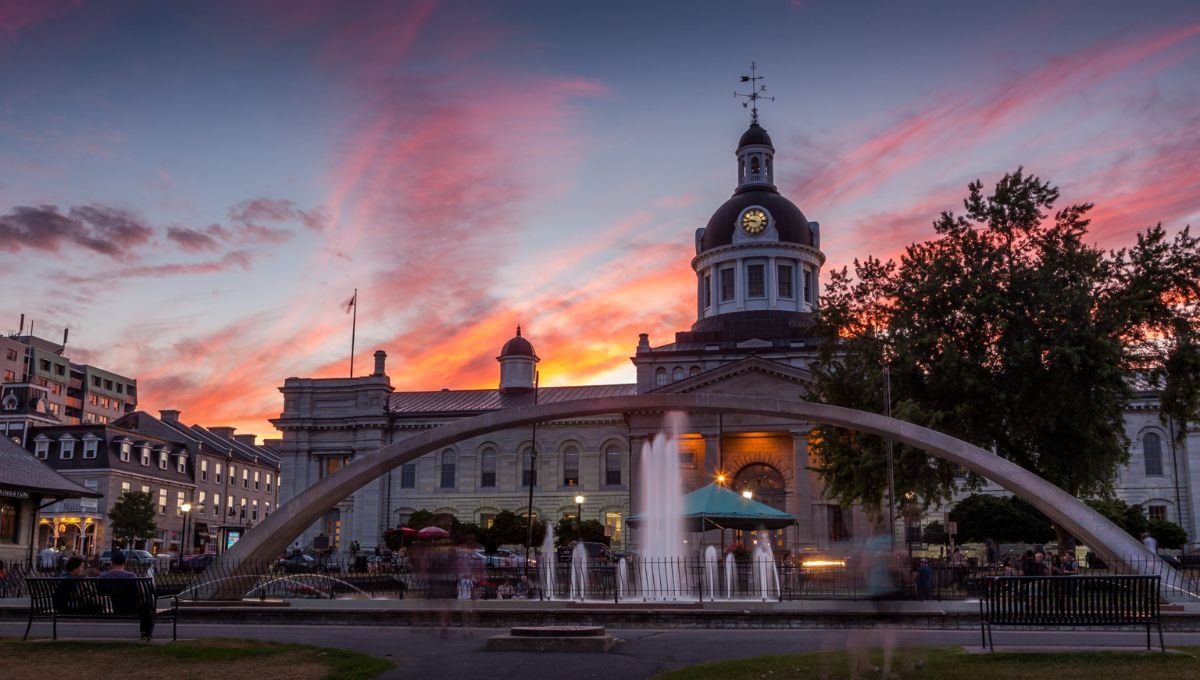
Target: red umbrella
x,y
433,532
408,532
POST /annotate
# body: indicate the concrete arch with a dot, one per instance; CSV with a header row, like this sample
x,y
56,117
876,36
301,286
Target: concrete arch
x,y
273,535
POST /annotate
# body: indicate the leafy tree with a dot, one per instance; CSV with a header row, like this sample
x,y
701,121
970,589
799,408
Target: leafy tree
x,y
132,517
935,533
1000,518
1010,331
1168,534
567,532
421,519
1131,518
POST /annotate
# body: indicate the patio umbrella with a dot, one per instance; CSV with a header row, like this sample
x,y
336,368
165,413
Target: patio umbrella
x,y
433,532
408,532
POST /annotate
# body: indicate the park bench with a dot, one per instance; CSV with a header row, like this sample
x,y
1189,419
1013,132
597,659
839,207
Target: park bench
x,y
96,599
1050,601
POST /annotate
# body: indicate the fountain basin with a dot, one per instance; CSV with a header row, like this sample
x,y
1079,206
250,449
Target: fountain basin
x,y
588,639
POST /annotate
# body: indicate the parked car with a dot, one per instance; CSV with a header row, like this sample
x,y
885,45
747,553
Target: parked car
x,y
596,552
501,558
299,564
197,563
133,558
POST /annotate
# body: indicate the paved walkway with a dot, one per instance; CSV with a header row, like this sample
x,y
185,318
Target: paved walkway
x,y
429,654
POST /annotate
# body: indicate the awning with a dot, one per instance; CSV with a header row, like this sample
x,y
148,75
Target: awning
x,y
716,507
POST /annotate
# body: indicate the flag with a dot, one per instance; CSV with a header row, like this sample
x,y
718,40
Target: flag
x,y
349,304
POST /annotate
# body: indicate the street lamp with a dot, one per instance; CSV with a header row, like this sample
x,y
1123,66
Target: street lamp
x,y
747,494
183,541
579,499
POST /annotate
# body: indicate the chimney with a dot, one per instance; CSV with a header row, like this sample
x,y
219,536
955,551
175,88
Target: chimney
x,y
247,439
169,416
380,360
222,432
643,342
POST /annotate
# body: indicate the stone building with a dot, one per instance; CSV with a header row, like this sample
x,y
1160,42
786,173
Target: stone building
x,y
757,265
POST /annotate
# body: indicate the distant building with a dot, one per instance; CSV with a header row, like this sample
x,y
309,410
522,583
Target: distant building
x,y
46,386
26,484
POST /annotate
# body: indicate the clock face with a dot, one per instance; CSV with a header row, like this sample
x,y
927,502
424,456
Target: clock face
x,y
754,221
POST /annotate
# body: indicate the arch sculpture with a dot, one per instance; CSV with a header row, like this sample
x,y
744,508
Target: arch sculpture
x,y
272,536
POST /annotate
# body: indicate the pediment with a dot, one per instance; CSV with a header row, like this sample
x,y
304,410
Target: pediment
x,y
752,376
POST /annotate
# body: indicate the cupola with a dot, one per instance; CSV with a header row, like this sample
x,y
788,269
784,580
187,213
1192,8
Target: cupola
x,y
517,360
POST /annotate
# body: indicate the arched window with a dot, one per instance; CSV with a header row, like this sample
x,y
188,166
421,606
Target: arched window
x,y
764,482
449,464
528,471
695,370
660,377
571,466
487,468
1152,452
677,374
612,465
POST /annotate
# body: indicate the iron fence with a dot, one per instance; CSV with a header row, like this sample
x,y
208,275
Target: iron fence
x,y
629,580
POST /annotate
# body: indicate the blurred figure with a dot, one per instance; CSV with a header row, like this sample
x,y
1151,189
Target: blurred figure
x,y
924,579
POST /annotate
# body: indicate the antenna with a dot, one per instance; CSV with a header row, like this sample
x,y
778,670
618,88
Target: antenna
x,y
756,92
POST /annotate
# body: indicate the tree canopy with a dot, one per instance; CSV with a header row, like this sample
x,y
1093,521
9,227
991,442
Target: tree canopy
x,y
132,517
1000,518
1009,330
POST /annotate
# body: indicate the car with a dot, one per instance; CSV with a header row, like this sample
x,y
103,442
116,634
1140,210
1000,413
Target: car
x,y
501,558
133,558
197,563
596,552
299,564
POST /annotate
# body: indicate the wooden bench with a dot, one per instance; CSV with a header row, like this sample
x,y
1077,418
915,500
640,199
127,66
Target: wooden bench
x,y
97,599
1049,601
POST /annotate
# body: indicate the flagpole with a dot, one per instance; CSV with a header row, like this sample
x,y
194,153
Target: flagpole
x,y
353,328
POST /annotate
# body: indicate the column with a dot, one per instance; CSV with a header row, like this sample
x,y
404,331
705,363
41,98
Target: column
x,y
803,508
712,457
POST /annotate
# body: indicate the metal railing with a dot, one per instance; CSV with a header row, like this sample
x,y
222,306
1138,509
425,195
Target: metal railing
x,y
631,580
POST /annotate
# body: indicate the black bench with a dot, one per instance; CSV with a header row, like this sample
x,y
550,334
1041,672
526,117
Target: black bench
x,y
97,599
1044,601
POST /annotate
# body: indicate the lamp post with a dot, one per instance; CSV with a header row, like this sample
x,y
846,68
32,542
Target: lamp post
x,y
579,499
183,540
748,494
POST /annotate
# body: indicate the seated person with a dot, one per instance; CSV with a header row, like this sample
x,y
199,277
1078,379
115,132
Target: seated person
x,y
506,591
128,599
521,591
69,598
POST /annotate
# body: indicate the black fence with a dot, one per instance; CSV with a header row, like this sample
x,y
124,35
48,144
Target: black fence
x,y
630,580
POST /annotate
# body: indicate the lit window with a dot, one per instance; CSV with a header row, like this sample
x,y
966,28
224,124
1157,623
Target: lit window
x,y
146,456
256,480
181,464
268,481
571,466
179,501
162,501
162,459
217,473
204,470
216,506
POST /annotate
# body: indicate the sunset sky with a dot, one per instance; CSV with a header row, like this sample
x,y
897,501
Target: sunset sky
x,y
195,189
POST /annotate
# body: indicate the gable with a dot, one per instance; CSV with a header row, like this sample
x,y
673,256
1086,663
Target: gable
x,y
751,377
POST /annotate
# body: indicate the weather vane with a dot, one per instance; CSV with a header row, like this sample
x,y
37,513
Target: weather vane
x,y
756,92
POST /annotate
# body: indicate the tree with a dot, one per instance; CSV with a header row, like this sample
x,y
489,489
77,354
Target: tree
x,y
132,517
568,531
1168,534
1000,518
1009,331
935,533
1131,518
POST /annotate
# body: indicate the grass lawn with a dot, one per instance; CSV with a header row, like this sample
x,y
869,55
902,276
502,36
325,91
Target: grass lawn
x,y
952,663
203,658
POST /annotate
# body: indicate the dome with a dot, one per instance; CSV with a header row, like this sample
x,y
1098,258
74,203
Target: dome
x,y
756,134
791,224
518,347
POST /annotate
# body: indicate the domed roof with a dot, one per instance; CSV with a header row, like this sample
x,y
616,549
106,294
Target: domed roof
x,y
756,134
518,347
791,224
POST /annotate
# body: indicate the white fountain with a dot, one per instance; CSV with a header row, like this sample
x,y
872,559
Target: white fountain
x,y
765,573
730,576
710,573
622,579
660,536
548,564
579,572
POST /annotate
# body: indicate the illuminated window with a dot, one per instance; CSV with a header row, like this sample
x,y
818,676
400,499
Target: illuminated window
x,y
8,522
162,501
217,473
571,466
204,470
